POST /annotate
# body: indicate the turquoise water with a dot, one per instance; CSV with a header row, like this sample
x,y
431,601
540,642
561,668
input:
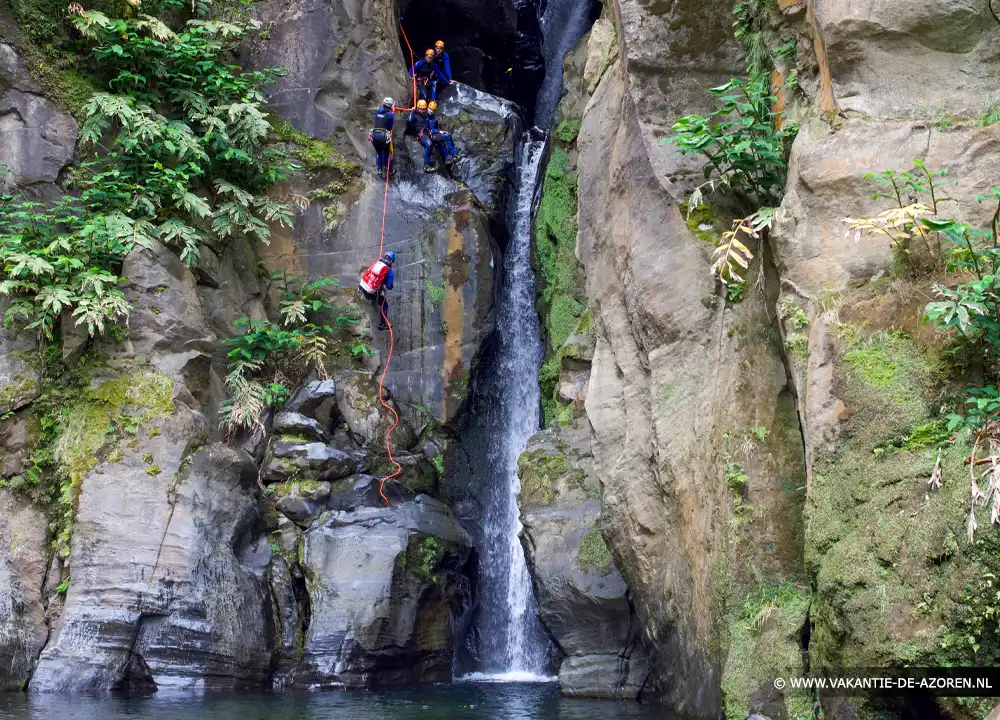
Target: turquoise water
x,y
438,702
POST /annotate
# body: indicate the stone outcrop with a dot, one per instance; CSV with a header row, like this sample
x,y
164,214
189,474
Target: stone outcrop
x,y
582,599
388,593
38,137
23,565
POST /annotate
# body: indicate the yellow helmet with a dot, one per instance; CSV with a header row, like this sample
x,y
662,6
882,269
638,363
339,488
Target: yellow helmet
x,y
428,52
421,104
439,44
432,106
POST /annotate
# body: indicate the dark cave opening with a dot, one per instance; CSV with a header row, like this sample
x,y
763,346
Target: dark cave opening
x,y
494,46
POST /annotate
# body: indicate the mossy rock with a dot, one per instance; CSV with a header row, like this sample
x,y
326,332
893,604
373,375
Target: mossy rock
x,y
593,553
890,567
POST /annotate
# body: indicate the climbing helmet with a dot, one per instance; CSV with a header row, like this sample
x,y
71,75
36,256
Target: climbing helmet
x,y
429,54
387,102
432,106
421,104
439,44
390,256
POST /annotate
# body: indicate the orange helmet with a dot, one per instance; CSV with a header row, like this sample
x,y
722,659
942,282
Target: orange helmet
x,y
428,53
432,106
421,104
439,44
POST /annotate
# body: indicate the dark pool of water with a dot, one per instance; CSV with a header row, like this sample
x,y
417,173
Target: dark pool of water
x,y
492,701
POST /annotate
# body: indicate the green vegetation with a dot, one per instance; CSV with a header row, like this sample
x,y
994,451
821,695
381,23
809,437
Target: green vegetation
x,y
567,130
539,470
436,293
267,358
173,149
314,153
594,553
423,556
559,272
764,630
989,116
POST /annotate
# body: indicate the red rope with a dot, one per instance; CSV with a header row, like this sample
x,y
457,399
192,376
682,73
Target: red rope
x,y
385,319
385,367
412,63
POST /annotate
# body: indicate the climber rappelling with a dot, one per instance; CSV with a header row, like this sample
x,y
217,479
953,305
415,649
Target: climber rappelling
x,y
380,137
427,74
375,281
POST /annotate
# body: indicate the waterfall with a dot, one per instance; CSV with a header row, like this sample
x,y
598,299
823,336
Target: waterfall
x,y
512,643
563,23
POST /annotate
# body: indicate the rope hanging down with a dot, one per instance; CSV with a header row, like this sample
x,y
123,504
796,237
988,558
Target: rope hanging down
x,y
412,63
385,367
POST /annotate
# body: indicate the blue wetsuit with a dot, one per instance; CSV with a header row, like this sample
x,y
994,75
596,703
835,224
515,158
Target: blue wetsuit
x,y
428,74
444,62
384,311
381,137
421,124
442,138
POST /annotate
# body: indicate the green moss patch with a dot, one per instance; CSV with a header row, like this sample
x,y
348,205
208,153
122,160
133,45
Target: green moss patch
x,y
423,556
559,272
594,553
567,130
764,634
539,470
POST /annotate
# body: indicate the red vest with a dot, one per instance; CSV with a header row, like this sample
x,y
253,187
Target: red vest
x,y
373,278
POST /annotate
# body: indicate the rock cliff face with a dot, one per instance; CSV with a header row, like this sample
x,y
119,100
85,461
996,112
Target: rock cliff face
x,y
183,558
728,437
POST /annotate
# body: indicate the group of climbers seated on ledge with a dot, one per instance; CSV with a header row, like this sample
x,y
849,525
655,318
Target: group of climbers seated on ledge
x,y
427,128
422,122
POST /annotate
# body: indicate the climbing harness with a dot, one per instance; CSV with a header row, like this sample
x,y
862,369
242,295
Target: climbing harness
x,y
385,368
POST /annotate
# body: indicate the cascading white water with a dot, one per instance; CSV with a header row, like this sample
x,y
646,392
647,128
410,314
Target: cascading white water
x,y
512,643
563,23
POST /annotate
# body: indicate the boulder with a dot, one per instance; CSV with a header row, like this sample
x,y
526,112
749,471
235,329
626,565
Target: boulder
x,y
39,138
387,593
23,563
308,399
293,423
20,366
582,599
603,676
367,491
365,415
167,582
288,459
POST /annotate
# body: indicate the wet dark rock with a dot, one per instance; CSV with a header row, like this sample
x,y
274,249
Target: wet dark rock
x,y
582,598
38,137
297,509
308,398
387,595
20,367
13,444
367,491
306,461
293,423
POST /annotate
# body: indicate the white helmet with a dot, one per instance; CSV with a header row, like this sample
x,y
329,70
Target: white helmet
x,y
387,102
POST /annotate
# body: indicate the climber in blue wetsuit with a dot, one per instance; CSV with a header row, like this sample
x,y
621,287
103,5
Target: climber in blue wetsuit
x,y
419,123
440,137
381,137
441,58
428,74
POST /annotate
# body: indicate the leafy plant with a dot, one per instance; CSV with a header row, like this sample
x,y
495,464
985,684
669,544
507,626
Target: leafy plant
x,y
268,358
741,143
174,149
